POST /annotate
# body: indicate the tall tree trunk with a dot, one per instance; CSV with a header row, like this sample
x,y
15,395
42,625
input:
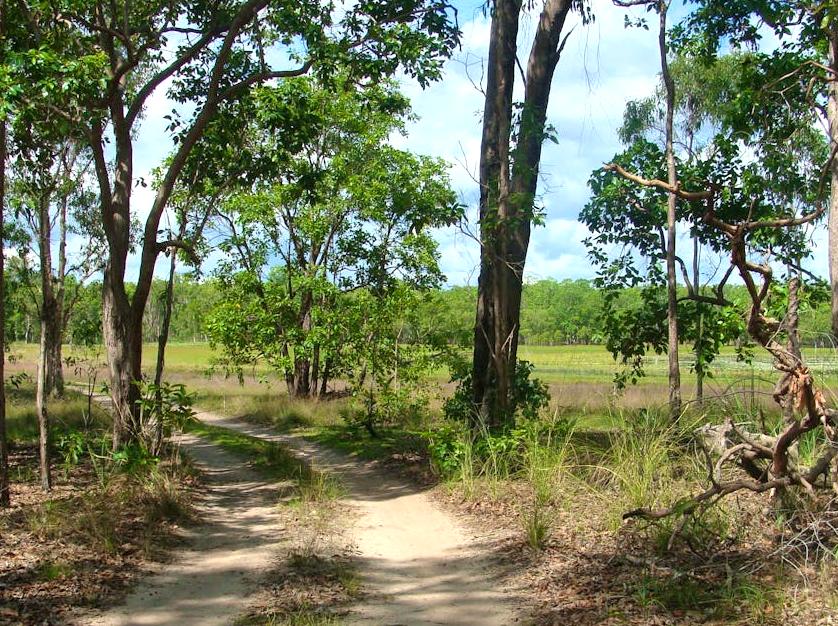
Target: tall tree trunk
x,y
55,365
4,450
315,368
123,344
832,115
122,330
302,363
43,414
162,340
52,305
50,317
492,349
506,200
671,218
324,379
699,371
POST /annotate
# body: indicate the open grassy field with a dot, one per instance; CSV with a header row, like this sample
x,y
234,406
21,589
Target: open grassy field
x,y
579,377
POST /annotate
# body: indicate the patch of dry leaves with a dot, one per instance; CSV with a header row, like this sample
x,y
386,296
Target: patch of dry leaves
x,y
589,575
52,562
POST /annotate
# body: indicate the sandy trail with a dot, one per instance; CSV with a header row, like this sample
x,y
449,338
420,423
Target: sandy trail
x,y
418,564
208,581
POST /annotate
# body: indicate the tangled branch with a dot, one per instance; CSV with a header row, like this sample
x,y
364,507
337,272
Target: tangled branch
x,y
770,463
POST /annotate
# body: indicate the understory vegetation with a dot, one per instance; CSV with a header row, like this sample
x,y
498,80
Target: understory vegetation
x,y
559,484
654,444
81,544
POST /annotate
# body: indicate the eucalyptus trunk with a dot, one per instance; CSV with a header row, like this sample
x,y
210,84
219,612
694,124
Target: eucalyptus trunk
x,y
494,350
508,182
302,361
123,343
43,414
162,340
4,450
671,219
51,317
324,378
832,115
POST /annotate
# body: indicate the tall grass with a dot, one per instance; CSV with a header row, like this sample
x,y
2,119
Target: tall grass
x,y
276,409
66,414
648,462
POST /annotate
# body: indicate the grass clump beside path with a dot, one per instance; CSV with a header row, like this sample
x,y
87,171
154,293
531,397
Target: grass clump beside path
x,y
84,542
317,579
269,458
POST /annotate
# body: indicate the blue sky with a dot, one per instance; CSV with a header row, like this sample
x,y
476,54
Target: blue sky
x,y
603,66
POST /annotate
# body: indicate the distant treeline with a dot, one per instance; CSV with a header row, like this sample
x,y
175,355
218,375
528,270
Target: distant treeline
x,y
553,313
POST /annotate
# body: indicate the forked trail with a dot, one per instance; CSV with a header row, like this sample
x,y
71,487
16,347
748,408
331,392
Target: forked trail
x,y
418,564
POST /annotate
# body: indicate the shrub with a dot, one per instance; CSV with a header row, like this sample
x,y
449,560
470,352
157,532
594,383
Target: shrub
x,y
528,396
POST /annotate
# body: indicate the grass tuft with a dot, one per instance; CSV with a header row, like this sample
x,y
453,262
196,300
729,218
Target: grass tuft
x,y
53,570
268,457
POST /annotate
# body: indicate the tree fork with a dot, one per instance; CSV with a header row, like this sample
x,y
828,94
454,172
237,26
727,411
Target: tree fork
x,y
506,199
796,387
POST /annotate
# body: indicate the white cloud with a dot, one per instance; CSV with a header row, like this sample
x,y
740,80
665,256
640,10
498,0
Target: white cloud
x,y
593,81
603,66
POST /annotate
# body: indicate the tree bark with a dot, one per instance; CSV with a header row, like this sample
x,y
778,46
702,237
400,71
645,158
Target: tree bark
x,y
162,340
324,378
123,345
506,200
671,218
699,371
4,450
792,328
492,352
43,414
54,364
832,115
49,375
302,363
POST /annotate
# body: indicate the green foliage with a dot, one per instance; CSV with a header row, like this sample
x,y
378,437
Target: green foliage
x,y
134,459
552,312
448,447
455,450
527,395
71,447
354,244
193,301
759,171
386,407
168,404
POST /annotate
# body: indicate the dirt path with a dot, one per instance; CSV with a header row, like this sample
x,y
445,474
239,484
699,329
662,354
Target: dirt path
x,y
208,582
418,564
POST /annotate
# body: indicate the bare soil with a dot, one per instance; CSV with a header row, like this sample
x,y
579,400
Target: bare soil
x,y
208,581
418,564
